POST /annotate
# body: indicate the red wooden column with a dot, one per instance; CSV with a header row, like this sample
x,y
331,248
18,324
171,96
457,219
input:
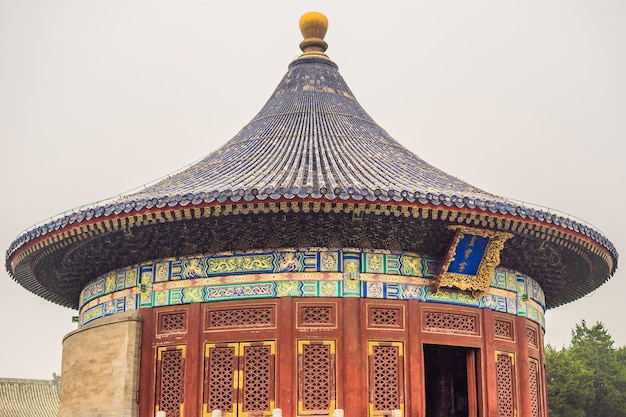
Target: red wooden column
x,y
489,372
286,390
195,351
416,403
523,375
542,373
146,366
353,374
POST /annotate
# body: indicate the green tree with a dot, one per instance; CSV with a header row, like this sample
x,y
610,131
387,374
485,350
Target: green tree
x,y
587,378
570,390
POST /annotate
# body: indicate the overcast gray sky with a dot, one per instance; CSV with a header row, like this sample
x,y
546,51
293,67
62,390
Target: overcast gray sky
x,y
522,99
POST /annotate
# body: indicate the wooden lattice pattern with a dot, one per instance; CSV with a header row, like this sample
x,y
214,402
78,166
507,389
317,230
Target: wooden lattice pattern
x,y
316,315
386,367
386,317
219,372
503,329
316,378
531,336
257,378
450,323
533,369
171,382
238,317
506,398
172,322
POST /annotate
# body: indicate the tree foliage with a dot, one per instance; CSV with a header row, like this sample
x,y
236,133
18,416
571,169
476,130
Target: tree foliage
x,y
587,378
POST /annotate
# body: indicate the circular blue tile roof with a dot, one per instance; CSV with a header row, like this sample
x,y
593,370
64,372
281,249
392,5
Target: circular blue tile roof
x,y
311,142
312,139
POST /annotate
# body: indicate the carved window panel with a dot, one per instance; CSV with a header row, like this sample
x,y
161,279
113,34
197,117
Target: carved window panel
x,y
503,329
531,337
316,377
240,317
385,317
221,363
316,315
505,383
534,378
170,380
239,379
257,378
386,377
445,322
169,322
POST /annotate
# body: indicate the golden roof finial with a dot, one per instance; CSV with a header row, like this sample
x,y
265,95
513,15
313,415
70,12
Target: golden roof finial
x,y
313,26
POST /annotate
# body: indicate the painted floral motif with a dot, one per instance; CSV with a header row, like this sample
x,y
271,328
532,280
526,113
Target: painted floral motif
x,y
329,289
375,263
111,284
351,268
131,278
160,298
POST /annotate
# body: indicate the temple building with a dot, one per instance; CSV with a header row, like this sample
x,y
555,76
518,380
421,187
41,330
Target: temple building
x,y
311,264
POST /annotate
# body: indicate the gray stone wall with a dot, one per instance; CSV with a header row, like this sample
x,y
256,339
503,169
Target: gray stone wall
x,y
100,368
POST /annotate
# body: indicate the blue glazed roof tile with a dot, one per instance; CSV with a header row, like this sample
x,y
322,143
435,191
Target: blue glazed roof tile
x,y
311,140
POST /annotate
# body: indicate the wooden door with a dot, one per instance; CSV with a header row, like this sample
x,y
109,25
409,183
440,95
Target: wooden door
x,y
239,379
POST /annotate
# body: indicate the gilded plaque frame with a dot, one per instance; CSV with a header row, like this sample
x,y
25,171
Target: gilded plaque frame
x,y
485,259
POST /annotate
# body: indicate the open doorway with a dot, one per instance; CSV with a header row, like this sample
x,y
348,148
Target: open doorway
x,y
451,382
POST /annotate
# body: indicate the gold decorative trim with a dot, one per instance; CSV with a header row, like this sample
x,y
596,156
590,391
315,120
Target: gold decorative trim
x,y
479,281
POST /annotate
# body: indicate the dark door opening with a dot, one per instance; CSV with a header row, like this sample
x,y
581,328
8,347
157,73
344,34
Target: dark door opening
x,y
451,383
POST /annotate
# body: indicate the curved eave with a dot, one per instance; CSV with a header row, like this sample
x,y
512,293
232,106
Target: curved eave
x,y
89,224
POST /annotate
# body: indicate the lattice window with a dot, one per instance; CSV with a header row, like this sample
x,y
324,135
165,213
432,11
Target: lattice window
x,y
316,377
240,317
533,368
531,337
503,329
239,379
386,377
221,362
386,317
170,380
450,323
316,315
172,322
505,384
257,389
